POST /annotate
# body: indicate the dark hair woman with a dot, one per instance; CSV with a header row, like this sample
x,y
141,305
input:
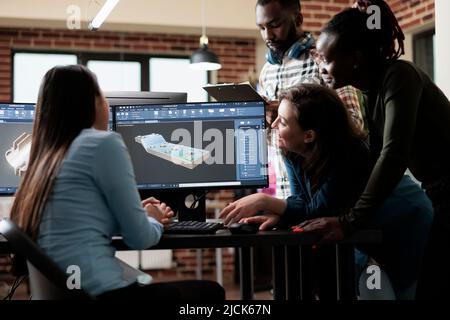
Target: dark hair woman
x,y
326,162
327,165
408,118
79,190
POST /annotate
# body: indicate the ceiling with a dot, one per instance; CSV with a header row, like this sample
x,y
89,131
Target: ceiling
x,y
228,18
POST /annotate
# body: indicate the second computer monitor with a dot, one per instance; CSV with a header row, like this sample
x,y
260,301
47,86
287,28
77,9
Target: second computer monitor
x,y
195,145
16,125
143,97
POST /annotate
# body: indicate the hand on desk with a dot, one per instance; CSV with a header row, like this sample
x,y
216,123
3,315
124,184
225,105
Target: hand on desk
x,y
158,210
329,228
243,208
266,222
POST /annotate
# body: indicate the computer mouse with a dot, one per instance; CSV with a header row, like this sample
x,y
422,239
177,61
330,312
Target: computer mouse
x,y
243,228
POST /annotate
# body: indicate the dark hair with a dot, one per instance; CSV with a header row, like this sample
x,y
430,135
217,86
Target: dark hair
x,y
320,109
382,44
288,4
66,106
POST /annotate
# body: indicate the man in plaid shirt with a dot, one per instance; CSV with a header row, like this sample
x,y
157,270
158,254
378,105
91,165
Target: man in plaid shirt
x,y
290,61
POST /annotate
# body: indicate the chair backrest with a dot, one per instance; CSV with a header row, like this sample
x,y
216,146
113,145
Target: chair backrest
x,y
47,280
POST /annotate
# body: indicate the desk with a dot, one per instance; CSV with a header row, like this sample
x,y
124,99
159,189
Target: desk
x,y
289,252
289,255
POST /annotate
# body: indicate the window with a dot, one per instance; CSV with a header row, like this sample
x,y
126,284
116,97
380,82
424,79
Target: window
x,y
30,68
117,75
115,72
169,74
424,51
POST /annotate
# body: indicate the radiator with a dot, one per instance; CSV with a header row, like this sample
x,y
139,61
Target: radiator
x,y
5,206
150,260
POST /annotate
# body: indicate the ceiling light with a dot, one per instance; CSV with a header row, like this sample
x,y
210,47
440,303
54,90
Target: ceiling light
x,y
103,14
203,58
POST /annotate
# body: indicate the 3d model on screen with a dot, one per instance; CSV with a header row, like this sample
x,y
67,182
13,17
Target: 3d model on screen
x,y
178,154
17,156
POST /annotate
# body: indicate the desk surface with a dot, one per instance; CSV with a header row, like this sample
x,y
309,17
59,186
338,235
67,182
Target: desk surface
x,y
224,239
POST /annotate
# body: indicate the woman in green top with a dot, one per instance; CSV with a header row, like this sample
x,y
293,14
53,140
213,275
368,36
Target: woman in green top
x,y
409,124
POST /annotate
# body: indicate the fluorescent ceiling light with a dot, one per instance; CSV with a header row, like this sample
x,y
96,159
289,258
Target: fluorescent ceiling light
x,y
103,14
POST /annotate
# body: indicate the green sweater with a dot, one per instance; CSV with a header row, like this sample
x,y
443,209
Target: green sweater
x,y
409,123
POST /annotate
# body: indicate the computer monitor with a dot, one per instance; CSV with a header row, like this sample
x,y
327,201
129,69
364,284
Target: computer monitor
x,y
16,125
195,146
143,97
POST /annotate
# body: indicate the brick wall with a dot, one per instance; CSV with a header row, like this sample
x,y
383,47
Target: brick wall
x,y
318,12
237,55
412,13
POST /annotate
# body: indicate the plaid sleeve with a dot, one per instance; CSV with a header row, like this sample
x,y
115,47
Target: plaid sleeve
x,y
349,97
311,70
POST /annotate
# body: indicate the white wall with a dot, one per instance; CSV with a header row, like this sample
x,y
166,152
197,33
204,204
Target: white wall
x,y
443,45
409,52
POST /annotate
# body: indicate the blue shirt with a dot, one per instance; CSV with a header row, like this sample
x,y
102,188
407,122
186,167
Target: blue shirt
x,y
94,198
337,191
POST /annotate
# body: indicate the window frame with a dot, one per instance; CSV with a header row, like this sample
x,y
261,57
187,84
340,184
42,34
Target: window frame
x,y
421,35
84,56
14,51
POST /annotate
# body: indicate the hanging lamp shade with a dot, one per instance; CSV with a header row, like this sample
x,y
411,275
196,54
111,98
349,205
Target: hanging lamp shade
x,y
204,59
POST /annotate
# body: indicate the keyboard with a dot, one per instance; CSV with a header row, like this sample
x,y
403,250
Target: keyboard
x,y
193,227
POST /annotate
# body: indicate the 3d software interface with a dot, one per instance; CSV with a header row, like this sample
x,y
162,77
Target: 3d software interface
x,y
195,145
16,124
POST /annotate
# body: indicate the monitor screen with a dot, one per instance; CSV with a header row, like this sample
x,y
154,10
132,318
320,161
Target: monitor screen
x,y
142,97
16,125
195,145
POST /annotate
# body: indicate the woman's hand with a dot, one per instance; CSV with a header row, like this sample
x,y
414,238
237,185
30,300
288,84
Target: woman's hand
x,y
158,210
329,228
154,211
266,221
168,214
243,208
150,200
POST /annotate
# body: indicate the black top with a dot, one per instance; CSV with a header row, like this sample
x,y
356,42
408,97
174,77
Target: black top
x,y
409,123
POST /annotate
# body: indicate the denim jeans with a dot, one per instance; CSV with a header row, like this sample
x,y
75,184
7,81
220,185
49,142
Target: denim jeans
x,y
405,219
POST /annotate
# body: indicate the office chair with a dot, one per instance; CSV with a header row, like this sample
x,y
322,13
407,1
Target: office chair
x,y
47,280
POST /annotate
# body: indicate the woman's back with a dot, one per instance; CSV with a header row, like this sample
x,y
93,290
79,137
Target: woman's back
x,y
94,197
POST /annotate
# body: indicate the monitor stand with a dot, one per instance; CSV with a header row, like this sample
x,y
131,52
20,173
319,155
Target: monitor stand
x,y
189,205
